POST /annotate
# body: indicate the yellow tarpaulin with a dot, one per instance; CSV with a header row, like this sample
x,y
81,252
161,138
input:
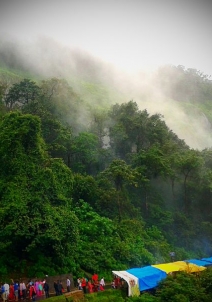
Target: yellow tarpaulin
x,y
190,267
179,266
168,267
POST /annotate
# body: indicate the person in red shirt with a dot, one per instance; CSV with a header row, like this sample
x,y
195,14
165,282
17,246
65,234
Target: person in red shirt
x,y
11,295
117,282
32,292
90,287
84,284
95,278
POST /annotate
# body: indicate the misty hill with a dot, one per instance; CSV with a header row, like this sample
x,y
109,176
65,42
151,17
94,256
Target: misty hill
x,y
89,77
88,176
182,96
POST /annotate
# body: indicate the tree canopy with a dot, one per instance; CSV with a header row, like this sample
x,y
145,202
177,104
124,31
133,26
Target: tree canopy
x,y
84,189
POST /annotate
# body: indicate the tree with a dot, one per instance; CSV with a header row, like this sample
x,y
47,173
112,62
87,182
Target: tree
x,y
35,199
64,104
182,287
95,251
188,163
22,93
84,155
150,164
120,174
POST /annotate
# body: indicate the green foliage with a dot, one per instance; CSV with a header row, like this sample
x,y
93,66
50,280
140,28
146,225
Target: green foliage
x,y
35,211
182,287
59,299
121,175
144,297
63,104
84,153
97,189
133,248
106,296
97,239
85,188
22,93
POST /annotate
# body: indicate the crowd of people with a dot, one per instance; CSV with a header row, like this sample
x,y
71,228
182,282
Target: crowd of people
x,y
91,285
15,290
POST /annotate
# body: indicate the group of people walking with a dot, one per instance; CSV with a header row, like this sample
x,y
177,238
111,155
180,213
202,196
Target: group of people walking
x,y
91,285
15,290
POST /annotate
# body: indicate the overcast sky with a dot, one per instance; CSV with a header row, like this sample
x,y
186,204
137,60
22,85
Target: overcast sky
x,y
132,34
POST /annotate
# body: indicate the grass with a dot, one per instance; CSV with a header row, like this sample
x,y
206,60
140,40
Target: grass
x,y
109,295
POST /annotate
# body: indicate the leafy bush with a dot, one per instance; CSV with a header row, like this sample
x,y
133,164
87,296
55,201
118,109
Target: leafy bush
x,y
106,296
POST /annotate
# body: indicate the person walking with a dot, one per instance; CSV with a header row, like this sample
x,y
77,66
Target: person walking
x,y
68,284
60,288
79,282
102,282
3,293
46,289
84,285
32,292
16,287
22,290
56,288
6,288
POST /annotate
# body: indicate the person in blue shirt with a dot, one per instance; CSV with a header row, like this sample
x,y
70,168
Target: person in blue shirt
x,y
16,287
3,293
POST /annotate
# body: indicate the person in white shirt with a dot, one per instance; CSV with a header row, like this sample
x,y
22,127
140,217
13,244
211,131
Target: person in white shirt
x,y
102,282
68,284
6,288
23,290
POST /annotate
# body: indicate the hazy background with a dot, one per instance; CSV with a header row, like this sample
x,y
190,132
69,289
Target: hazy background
x,y
119,43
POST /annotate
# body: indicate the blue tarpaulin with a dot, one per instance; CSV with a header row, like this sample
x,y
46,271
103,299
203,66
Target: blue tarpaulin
x,y
207,259
148,276
198,262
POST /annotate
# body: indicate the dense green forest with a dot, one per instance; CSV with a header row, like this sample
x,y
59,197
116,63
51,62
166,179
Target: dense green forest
x,y
98,188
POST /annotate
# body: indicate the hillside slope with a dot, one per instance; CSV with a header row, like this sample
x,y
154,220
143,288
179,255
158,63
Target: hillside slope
x,y
182,96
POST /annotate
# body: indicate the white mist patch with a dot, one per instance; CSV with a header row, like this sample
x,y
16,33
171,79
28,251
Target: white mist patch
x,y
184,119
193,128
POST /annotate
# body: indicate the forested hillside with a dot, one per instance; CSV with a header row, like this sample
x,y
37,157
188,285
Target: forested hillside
x,y
96,188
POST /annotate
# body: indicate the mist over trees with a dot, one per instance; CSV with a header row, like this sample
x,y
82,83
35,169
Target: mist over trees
x,y
86,187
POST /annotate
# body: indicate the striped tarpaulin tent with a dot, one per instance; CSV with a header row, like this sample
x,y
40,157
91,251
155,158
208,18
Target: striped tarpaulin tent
x,y
148,277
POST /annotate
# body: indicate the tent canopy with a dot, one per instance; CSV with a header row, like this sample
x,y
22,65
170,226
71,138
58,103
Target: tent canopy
x,y
199,262
148,276
207,259
189,267
168,267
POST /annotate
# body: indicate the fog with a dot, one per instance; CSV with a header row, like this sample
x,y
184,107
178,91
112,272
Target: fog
x,y
46,57
130,34
118,47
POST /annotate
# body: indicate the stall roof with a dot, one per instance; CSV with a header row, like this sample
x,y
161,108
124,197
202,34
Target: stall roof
x,y
199,262
189,267
148,276
207,259
168,267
